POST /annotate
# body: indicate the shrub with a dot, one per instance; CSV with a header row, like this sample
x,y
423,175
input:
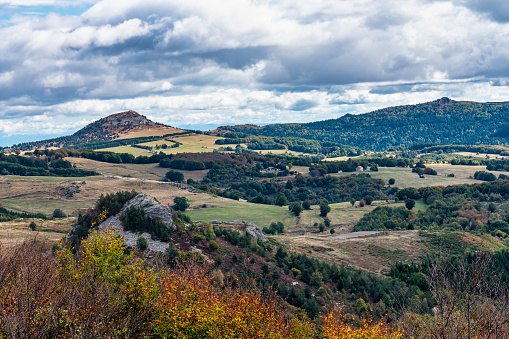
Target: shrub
x,y
213,245
181,203
174,176
33,226
142,243
58,213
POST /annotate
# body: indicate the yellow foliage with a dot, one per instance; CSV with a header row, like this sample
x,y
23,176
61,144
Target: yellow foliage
x,y
335,326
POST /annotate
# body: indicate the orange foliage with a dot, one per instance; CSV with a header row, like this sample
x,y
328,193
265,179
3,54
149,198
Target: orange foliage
x,y
192,307
335,326
103,293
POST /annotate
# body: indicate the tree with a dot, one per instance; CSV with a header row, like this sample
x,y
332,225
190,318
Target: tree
x,y
58,213
306,205
296,208
321,227
33,226
332,231
181,203
368,199
352,201
409,203
281,200
326,222
492,208
392,181
141,243
324,208
174,176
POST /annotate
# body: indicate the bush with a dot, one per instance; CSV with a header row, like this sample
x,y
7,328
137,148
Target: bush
x,y
33,226
409,203
296,208
58,213
392,181
324,208
174,176
181,203
368,199
142,244
213,245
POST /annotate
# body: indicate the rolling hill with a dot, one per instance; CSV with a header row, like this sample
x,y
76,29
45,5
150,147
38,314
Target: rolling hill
x,y
440,121
124,125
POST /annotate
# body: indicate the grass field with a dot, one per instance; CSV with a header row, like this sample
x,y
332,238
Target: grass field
x,y
195,143
229,210
14,232
152,132
127,149
405,178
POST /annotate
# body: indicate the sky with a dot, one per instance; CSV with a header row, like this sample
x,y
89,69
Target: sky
x,y
200,64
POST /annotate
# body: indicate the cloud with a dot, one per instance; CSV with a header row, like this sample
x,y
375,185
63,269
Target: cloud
x,y
244,61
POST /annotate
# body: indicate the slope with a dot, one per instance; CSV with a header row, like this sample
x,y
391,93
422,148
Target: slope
x,y
439,121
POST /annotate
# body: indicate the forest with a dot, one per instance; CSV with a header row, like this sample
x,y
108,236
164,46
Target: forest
x,y
441,121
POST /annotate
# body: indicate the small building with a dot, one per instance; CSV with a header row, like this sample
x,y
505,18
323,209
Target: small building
x,y
359,169
271,169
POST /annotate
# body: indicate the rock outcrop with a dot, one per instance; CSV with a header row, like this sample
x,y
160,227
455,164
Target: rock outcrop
x,y
256,233
152,209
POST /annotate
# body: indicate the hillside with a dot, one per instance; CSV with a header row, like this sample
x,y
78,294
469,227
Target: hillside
x,y
439,121
123,125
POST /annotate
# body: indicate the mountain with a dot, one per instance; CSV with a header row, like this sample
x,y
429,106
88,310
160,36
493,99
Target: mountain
x,y
123,125
440,121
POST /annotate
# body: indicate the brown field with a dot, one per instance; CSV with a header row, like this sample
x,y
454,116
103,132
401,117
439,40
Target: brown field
x,y
14,232
481,155
141,171
372,253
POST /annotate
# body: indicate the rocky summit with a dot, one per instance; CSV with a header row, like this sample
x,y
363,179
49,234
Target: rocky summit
x,y
153,209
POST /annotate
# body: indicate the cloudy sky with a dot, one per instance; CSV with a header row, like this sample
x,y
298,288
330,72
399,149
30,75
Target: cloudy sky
x,y
199,63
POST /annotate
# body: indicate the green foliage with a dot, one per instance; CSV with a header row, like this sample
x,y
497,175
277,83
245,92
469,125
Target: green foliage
x,y
296,208
409,203
7,215
213,245
485,176
306,204
174,176
368,199
324,208
58,213
141,243
181,203
281,200
275,228
30,166
396,126
392,181
33,226
135,220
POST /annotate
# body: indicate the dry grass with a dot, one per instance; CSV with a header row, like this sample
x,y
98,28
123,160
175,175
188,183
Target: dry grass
x,y
373,253
150,132
14,232
127,149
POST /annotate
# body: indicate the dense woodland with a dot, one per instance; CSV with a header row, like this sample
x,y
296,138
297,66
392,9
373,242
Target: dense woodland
x,y
39,166
442,121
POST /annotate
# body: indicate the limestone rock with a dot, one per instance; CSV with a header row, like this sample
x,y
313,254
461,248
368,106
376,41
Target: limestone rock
x,y
256,233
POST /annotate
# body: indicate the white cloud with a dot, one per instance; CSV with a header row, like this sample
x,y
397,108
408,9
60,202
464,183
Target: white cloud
x,y
241,61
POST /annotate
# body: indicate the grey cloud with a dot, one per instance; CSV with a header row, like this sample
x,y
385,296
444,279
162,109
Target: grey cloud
x,y
497,10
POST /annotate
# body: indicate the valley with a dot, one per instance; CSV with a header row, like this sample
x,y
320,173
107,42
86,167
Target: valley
x,y
327,218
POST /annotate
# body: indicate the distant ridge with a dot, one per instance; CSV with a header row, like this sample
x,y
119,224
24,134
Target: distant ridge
x,y
115,126
439,121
